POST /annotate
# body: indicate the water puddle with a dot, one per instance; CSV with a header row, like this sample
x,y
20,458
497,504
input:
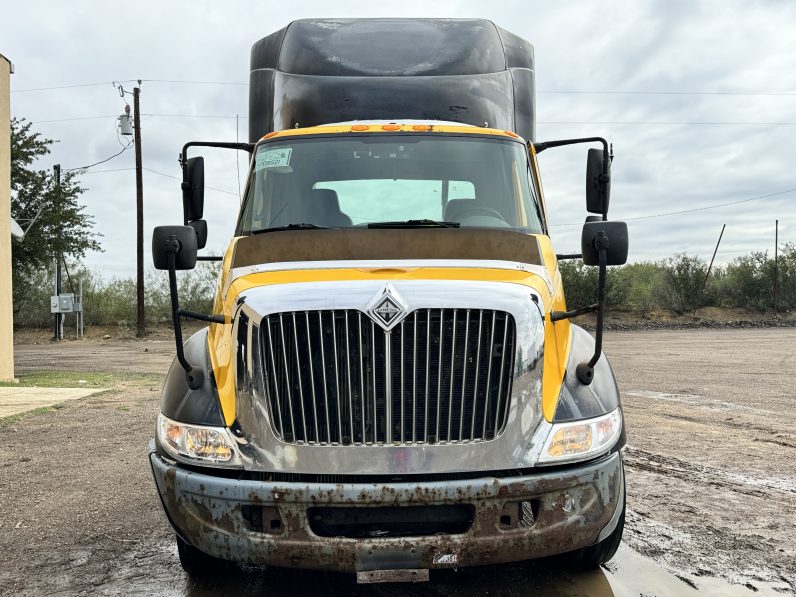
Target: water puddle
x,y
696,400
629,574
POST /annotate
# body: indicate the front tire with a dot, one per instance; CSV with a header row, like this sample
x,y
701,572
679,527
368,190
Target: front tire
x,y
588,558
198,564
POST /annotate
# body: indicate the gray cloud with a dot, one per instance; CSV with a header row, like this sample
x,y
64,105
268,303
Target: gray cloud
x,y
648,45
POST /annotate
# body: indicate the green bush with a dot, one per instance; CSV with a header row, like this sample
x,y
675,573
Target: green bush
x,y
643,278
748,280
581,281
682,287
675,284
113,302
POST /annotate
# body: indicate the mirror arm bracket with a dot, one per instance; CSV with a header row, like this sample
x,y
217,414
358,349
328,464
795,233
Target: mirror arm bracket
x,y
194,376
585,370
249,147
559,315
202,316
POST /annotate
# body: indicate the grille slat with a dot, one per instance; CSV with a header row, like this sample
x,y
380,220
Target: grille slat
x,y
440,376
502,363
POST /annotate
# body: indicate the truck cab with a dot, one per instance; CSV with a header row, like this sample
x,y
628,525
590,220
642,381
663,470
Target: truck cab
x,y
390,381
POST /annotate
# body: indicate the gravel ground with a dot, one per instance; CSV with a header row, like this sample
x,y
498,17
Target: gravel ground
x,y
711,481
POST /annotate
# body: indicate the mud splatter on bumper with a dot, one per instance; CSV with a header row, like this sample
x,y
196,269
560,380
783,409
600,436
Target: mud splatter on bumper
x,y
572,507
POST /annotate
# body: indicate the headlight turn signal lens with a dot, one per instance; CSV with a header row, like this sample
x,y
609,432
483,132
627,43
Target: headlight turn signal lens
x,y
581,440
195,443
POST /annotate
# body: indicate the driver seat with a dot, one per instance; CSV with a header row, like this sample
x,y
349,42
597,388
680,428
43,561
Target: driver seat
x,y
323,209
456,207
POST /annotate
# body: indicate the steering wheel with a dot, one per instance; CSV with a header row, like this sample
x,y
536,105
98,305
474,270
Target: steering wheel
x,y
483,211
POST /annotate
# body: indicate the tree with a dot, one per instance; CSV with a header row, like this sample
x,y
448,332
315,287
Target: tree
x,y
681,288
60,226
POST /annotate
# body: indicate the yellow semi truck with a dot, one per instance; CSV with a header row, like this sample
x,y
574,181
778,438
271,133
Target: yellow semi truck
x,y
390,381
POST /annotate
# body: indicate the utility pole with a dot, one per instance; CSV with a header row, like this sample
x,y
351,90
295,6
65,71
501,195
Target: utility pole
x,y
139,208
776,266
716,250
59,318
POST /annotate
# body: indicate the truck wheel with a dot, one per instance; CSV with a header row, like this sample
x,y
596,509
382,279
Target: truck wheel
x,y
198,564
593,556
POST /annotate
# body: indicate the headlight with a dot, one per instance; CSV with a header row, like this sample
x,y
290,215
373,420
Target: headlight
x,y
581,440
198,444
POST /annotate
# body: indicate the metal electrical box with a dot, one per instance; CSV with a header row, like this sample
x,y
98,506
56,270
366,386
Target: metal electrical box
x,y
63,303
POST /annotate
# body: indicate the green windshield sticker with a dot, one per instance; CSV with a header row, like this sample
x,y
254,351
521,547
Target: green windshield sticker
x,y
273,158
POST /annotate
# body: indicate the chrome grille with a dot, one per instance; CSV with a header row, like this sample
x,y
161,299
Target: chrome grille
x,y
439,376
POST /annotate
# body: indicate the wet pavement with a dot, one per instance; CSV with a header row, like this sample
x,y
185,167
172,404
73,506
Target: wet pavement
x,y
627,575
711,481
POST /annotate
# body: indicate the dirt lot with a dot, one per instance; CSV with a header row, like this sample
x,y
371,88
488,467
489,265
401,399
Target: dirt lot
x,y
711,480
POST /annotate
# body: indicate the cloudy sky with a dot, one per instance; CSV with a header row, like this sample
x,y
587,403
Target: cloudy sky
x,y
698,98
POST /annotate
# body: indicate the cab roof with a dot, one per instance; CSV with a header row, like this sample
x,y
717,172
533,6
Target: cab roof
x,y
392,126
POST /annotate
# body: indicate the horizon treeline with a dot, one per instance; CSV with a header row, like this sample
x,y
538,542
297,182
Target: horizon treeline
x,y
679,284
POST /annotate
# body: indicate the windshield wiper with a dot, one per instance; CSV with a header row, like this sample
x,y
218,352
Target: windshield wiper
x,y
414,224
290,227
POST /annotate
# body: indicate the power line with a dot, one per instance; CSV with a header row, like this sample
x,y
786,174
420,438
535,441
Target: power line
x,y
69,86
108,159
229,116
73,118
541,91
684,211
548,122
112,170
180,179
632,92
159,173
179,81
665,123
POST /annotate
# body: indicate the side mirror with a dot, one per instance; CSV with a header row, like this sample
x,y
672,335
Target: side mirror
x,y
193,189
598,182
179,241
200,226
612,236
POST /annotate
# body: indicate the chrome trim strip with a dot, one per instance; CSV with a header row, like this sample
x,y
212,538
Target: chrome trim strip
x,y
489,375
323,374
301,388
464,375
312,380
388,387
539,270
348,379
477,367
361,378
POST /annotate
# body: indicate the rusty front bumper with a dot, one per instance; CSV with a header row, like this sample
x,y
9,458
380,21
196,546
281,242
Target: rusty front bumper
x,y
572,508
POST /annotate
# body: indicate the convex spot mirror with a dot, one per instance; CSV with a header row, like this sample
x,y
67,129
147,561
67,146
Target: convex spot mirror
x,y
193,189
200,227
617,242
598,184
177,240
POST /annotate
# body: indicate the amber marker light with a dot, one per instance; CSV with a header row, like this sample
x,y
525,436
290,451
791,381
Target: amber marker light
x,y
510,134
421,127
269,135
391,127
360,127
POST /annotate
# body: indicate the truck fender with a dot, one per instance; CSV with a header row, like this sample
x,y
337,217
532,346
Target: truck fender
x,y
578,401
179,402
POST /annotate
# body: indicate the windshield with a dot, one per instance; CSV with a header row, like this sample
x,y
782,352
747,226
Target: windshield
x,y
360,181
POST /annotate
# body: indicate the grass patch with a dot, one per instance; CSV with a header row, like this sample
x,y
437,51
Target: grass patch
x,y
77,379
11,419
